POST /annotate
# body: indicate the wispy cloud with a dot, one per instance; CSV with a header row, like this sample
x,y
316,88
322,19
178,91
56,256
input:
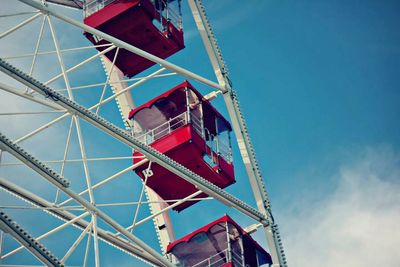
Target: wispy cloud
x,y
355,225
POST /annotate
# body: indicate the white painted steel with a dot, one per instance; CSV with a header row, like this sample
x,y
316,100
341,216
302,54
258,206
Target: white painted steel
x,y
224,86
25,22
54,52
19,234
64,72
52,177
47,125
64,215
49,233
76,243
36,99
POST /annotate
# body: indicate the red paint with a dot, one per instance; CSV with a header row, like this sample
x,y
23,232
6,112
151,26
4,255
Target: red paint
x,y
186,147
132,22
251,242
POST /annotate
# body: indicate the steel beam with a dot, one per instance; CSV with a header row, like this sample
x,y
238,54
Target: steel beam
x,y
31,244
50,175
105,236
20,93
78,4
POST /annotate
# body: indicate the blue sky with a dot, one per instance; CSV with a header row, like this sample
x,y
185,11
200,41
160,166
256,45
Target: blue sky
x,y
318,82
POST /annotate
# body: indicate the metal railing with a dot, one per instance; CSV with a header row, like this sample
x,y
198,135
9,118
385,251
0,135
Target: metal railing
x,y
163,129
92,6
197,124
152,135
168,12
237,259
173,15
225,150
221,258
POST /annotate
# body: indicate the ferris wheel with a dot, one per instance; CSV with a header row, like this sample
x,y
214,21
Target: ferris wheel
x,y
112,155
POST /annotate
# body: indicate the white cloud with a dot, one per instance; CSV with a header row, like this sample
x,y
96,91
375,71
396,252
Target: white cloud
x,y
355,225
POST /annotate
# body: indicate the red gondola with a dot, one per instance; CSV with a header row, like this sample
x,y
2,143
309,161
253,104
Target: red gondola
x,y
184,126
220,243
149,25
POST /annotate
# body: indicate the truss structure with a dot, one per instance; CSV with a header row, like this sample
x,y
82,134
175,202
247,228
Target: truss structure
x,y
65,146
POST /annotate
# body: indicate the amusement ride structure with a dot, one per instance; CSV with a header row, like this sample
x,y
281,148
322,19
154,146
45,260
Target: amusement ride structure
x,y
90,174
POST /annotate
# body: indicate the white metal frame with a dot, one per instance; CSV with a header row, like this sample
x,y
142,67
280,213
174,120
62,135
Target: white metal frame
x,y
121,94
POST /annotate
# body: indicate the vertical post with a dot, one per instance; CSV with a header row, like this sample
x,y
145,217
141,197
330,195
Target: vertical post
x,y
228,240
166,11
230,147
217,137
242,251
188,104
1,243
203,133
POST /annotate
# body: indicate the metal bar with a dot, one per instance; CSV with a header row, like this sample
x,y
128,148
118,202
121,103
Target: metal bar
x,y
1,242
22,237
112,204
87,250
54,52
18,14
74,118
64,215
85,163
113,82
122,44
95,241
64,72
164,210
108,76
29,113
47,125
78,4
76,243
74,160
126,138
107,180
115,78
41,128
146,175
45,235
17,92
37,48
129,88
13,29
53,177
66,150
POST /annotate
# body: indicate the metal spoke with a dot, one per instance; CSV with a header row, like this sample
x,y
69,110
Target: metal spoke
x,y
45,235
144,184
76,243
25,22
